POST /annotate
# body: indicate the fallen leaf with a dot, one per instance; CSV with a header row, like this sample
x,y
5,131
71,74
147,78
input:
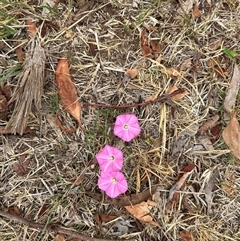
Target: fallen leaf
x,y
14,210
155,45
59,237
151,98
231,136
233,89
185,235
131,73
79,179
67,91
144,39
177,186
178,96
196,11
19,52
21,166
181,180
43,209
3,106
173,72
32,29
186,64
106,217
209,183
141,211
209,124
147,52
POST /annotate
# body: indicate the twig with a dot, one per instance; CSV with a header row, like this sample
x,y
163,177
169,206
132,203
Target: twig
x,y
159,99
53,228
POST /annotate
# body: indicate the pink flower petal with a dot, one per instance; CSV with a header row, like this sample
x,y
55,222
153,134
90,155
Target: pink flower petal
x,y
110,159
113,183
126,134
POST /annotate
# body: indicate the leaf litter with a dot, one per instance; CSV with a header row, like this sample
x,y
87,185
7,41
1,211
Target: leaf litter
x,y
101,41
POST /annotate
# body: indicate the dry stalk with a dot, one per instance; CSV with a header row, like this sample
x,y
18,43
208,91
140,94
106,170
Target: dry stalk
x,y
51,228
29,89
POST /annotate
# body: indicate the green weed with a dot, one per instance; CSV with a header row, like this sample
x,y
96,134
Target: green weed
x,y
230,53
12,72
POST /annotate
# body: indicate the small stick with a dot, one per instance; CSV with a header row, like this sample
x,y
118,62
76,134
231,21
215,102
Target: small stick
x,y
159,99
53,228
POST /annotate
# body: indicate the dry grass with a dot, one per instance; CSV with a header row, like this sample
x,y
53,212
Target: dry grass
x,y
100,44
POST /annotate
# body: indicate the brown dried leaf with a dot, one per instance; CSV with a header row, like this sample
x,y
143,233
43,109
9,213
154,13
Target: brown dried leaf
x,y
231,136
14,210
79,179
147,52
181,181
196,11
131,73
144,39
186,236
20,53
67,91
173,72
178,96
32,29
230,98
106,217
59,237
21,166
141,211
155,45
43,209
209,124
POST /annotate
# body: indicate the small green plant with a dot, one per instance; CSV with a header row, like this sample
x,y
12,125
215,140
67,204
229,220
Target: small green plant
x,y
12,72
53,102
230,53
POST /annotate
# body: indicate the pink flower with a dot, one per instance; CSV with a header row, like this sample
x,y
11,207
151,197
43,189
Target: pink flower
x,y
113,183
126,127
110,159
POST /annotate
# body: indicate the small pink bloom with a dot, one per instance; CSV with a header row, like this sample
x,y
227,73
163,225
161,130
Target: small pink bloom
x,y
110,159
113,183
127,127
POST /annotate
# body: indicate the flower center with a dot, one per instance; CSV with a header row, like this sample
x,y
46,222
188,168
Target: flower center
x,y
111,158
114,180
125,126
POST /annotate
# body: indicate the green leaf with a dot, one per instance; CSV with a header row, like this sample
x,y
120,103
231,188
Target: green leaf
x,y
230,53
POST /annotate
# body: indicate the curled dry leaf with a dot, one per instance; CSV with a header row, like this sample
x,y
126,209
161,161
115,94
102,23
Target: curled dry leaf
x,y
196,11
186,236
231,136
67,91
141,211
59,237
131,73
155,45
32,29
209,124
178,96
21,166
230,98
173,72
